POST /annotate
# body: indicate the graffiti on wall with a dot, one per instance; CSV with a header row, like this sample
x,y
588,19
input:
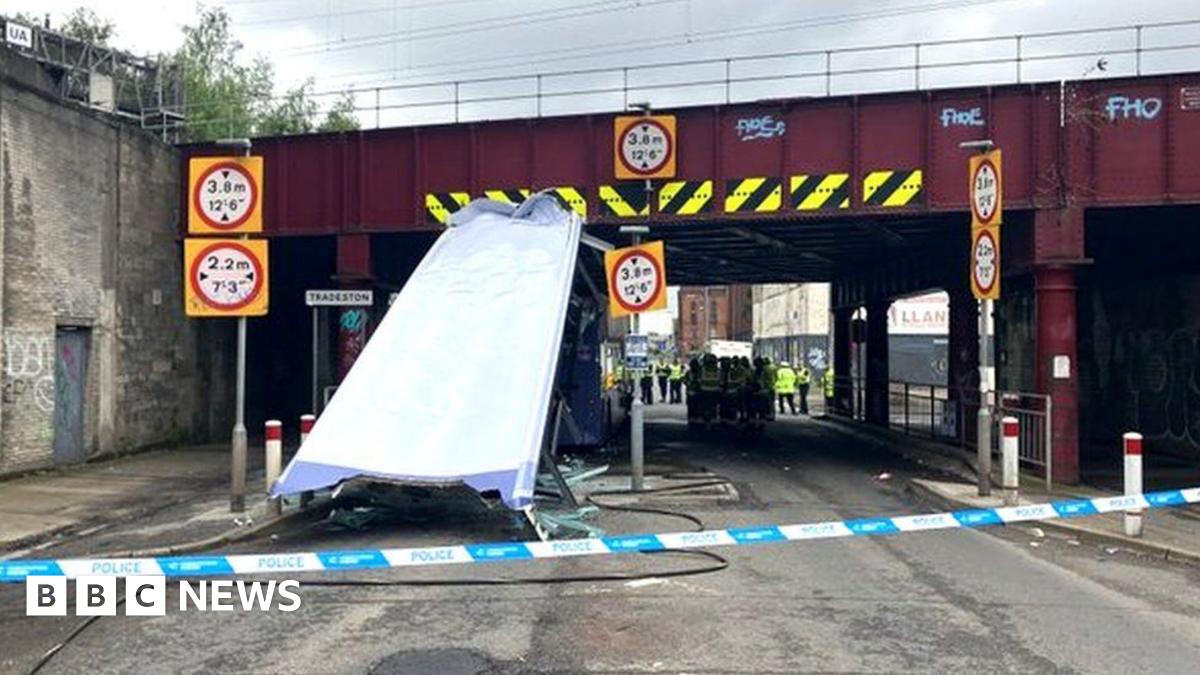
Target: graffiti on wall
x,y
29,369
1153,379
352,338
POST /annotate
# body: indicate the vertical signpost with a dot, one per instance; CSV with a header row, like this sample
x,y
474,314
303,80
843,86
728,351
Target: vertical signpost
x,y
987,207
227,277
637,282
644,148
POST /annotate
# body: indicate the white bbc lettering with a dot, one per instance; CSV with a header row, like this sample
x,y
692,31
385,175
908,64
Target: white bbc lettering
x,y
96,596
221,595
145,595
45,596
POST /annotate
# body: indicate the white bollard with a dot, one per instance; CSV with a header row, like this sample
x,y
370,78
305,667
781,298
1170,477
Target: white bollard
x,y
1133,481
306,425
274,463
1010,459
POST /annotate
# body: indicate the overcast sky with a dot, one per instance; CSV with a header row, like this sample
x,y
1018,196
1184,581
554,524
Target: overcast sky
x,y
379,43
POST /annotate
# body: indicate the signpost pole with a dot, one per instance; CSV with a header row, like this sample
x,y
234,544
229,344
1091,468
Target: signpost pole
x,y
986,203
983,421
637,466
237,483
315,355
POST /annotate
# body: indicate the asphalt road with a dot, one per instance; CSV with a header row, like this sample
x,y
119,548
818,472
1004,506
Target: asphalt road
x,y
1001,600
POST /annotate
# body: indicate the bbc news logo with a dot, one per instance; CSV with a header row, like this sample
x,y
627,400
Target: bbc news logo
x,y
147,596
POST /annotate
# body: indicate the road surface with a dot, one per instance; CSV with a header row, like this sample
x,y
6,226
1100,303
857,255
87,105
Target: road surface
x,y
1002,600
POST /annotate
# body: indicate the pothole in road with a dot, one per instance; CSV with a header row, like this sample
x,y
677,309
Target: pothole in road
x,y
440,661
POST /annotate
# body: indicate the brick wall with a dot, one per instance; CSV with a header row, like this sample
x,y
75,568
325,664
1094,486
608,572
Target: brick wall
x,y
90,256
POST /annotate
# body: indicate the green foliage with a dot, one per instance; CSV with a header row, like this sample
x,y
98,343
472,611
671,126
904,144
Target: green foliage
x,y
84,24
228,99
340,116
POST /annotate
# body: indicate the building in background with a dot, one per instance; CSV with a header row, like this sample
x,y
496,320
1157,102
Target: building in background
x,y
714,313
791,322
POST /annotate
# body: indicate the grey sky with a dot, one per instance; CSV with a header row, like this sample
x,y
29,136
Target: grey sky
x,y
382,43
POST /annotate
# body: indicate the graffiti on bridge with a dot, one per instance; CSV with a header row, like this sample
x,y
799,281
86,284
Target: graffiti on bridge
x,y
1153,379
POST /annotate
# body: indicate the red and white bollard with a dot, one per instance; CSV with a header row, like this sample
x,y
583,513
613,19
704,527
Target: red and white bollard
x,y
274,462
1010,459
306,424
1133,481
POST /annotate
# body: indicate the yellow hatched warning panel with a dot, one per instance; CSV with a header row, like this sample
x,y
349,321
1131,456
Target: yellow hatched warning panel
x,y
626,200
439,205
818,191
685,197
508,195
571,199
893,188
753,195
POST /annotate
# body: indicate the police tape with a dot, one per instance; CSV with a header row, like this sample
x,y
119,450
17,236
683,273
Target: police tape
x,y
367,559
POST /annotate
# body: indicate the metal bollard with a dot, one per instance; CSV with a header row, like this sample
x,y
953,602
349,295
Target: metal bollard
x,y
1133,481
306,425
1010,460
274,462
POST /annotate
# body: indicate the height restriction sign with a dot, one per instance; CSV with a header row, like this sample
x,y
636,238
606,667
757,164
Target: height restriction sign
x,y
985,263
225,195
986,189
225,277
644,146
637,279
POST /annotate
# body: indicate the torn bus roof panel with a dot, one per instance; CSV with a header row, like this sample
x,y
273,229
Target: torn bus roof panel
x,y
454,386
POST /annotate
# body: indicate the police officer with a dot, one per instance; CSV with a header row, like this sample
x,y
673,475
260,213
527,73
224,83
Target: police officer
x,y
709,393
675,378
664,373
785,386
827,382
735,391
647,383
803,380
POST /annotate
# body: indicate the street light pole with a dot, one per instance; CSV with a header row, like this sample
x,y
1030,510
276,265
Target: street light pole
x,y
237,478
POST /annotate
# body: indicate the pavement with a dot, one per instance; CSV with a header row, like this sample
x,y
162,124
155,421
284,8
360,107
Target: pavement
x,y
157,500
1004,599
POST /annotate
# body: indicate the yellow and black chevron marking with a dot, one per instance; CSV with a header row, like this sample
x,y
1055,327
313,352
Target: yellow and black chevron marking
x,y
572,199
625,200
685,197
753,195
810,192
892,188
510,196
439,205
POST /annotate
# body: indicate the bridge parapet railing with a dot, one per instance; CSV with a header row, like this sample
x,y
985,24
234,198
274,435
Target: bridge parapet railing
x,y
1111,51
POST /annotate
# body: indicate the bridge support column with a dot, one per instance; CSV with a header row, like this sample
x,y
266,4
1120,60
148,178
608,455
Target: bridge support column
x,y
1057,363
841,360
353,271
962,369
877,374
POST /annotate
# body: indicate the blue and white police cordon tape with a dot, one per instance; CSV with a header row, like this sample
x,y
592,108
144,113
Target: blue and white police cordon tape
x,y
218,565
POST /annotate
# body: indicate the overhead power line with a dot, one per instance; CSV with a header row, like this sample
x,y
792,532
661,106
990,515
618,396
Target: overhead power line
x,y
473,65
472,26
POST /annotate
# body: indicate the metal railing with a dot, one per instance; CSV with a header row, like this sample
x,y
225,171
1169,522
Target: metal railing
x,y
1017,58
941,413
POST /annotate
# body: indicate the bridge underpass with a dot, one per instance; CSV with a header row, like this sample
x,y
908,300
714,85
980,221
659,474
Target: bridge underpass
x,y
358,210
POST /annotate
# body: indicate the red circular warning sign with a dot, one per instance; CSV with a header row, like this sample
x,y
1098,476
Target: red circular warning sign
x,y
985,267
226,276
225,195
637,279
645,147
985,192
